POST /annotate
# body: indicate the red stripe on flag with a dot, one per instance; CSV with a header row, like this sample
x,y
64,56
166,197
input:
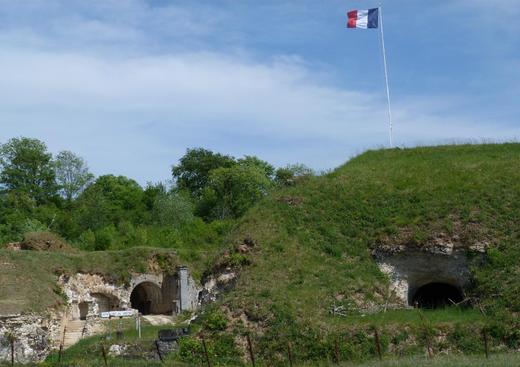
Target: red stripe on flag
x,y
352,19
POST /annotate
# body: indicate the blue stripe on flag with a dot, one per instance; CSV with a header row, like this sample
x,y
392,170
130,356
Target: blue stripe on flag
x,y
373,18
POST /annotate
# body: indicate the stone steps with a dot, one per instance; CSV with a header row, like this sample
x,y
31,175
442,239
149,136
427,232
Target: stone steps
x,y
73,332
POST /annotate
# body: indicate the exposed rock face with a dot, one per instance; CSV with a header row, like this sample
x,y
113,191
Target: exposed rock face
x,y
217,284
34,336
88,295
410,268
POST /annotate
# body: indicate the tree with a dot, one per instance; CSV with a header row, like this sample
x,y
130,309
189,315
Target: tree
x,y
257,162
232,190
192,173
152,191
289,175
110,200
72,174
172,209
26,166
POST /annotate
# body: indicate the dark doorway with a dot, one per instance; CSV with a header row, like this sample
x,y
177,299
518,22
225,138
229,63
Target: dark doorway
x,y
146,298
436,295
83,310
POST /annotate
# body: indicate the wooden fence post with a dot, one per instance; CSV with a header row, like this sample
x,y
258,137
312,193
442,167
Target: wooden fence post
x,y
428,336
289,352
378,344
206,352
104,354
251,353
12,350
60,354
429,349
336,350
486,346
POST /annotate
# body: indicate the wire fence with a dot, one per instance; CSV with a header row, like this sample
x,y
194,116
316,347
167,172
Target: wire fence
x,y
372,343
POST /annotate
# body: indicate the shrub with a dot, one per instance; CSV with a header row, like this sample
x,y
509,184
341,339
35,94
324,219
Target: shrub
x,y
44,241
216,321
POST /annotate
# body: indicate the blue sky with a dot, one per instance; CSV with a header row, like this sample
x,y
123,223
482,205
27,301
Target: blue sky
x,y
131,84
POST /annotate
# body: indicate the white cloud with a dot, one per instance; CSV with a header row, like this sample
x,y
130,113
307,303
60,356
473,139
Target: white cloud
x,y
127,113
82,77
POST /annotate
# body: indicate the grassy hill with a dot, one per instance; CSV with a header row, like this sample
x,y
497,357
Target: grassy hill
x,y
314,242
310,247
28,279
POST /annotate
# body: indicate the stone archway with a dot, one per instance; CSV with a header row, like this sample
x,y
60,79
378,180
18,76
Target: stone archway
x,y
146,297
436,295
427,277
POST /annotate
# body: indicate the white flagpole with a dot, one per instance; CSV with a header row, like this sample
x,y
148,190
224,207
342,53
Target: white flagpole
x,y
386,76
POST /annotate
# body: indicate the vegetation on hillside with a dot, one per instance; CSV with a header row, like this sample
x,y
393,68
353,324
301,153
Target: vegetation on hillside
x,y
29,278
39,192
302,244
314,242
110,224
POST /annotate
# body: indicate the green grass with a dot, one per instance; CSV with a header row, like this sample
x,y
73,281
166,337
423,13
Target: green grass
x,y
320,250
28,279
416,316
314,241
313,248
498,360
88,352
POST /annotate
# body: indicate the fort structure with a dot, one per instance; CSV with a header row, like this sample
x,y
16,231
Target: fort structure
x,y
88,297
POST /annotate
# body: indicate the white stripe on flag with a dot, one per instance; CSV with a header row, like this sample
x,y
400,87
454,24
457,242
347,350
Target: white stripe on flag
x,y
362,19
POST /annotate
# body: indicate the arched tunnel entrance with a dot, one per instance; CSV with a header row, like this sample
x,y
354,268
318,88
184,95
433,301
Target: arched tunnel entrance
x,y
146,298
436,295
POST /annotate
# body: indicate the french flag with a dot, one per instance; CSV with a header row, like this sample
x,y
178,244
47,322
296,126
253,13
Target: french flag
x,y
363,18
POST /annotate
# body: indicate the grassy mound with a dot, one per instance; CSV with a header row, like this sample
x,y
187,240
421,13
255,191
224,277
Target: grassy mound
x,y
314,242
29,278
309,247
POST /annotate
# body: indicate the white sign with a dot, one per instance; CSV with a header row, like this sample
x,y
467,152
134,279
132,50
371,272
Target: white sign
x,y
107,315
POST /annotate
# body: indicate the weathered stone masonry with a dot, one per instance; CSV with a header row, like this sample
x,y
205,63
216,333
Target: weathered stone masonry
x,y
87,296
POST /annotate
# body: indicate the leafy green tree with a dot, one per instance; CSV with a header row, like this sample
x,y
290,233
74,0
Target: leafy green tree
x,y
109,200
231,191
26,166
192,173
152,191
172,209
72,174
291,174
257,162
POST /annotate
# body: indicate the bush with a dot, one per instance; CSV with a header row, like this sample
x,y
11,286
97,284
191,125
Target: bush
x,y
465,339
191,350
105,238
216,321
44,241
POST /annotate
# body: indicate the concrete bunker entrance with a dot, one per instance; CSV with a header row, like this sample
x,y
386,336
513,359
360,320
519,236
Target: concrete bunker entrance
x,y
426,277
435,295
146,297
